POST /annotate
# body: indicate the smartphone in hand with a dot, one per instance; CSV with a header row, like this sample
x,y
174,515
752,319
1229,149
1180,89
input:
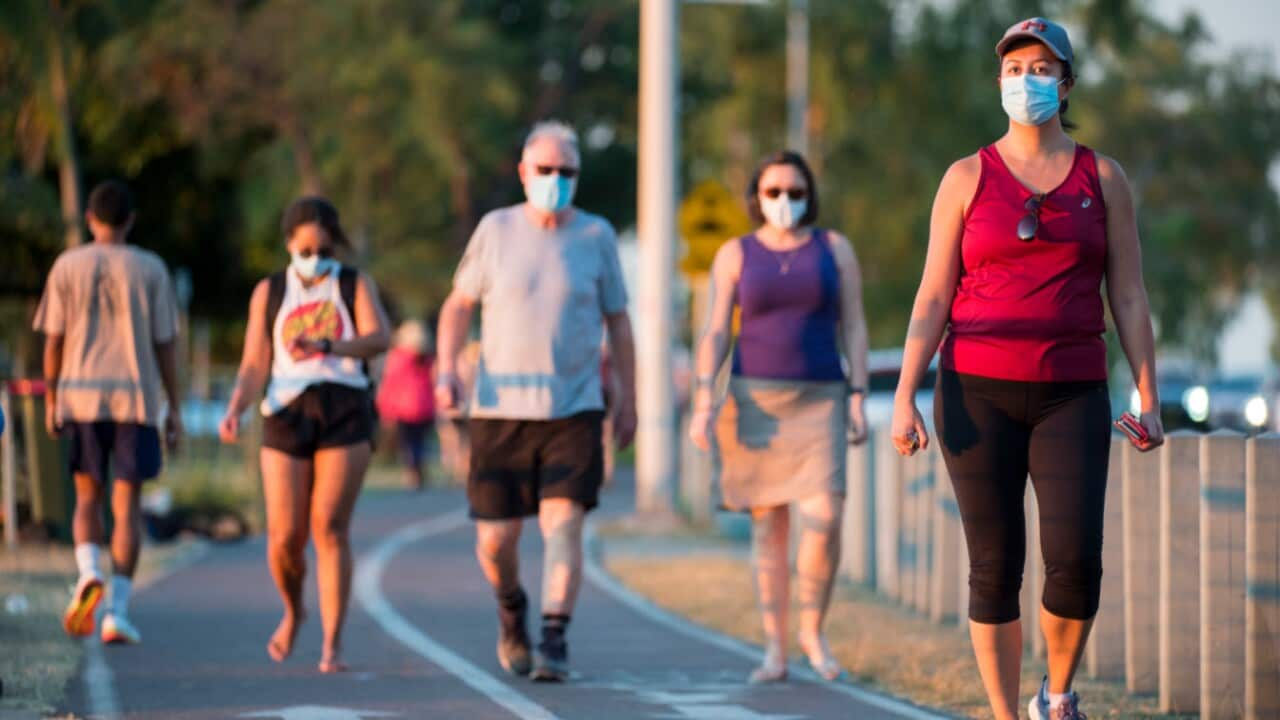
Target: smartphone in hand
x,y
1132,427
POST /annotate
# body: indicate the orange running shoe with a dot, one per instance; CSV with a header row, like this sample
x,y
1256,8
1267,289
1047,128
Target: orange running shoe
x,y
78,619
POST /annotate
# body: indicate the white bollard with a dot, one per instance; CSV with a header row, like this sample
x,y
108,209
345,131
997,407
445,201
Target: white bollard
x,y
1032,576
948,545
925,487
906,540
888,502
855,540
1141,570
1104,656
1262,570
1222,578
1180,573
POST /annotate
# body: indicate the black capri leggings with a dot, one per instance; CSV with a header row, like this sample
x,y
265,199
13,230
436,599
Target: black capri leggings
x,y
992,434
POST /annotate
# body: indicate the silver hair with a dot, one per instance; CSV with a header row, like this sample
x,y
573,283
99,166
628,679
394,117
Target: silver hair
x,y
561,132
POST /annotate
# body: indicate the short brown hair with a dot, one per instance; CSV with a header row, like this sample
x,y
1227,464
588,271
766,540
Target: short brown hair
x,y
783,157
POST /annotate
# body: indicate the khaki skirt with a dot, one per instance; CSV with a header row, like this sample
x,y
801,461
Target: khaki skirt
x,y
778,441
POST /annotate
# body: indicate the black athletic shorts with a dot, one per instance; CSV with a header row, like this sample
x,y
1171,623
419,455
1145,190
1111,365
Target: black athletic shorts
x,y
108,450
516,463
324,416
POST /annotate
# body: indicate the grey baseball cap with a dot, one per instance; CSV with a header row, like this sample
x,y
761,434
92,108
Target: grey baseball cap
x,y
1053,35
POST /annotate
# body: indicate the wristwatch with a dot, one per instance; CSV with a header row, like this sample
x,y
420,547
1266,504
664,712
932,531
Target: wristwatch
x,y
326,347
857,390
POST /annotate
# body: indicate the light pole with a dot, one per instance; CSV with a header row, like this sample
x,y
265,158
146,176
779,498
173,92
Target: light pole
x,y
798,76
656,444
656,465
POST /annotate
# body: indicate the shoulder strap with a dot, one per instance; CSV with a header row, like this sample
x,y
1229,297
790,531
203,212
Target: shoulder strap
x,y
347,279
275,298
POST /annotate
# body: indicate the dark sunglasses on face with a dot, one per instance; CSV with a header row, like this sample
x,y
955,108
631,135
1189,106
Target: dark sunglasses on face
x,y
1029,225
793,193
568,173
324,252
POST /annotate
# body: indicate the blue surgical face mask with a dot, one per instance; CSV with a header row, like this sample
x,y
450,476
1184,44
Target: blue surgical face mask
x,y
1030,99
550,193
782,212
311,267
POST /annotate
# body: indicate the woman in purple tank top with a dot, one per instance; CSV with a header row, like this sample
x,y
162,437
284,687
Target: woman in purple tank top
x,y
780,436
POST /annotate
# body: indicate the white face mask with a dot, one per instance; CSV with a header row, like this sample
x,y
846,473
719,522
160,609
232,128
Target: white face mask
x,y
309,268
1030,99
782,212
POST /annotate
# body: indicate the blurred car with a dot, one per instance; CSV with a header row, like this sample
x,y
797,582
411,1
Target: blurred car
x,y
1184,399
1243,402
884,368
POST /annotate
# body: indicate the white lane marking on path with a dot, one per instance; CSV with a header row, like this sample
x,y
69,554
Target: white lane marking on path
x,y
599,577
317,712
368,590
99,682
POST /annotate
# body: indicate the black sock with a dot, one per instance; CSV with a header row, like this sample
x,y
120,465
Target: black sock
x,y
514,600
554,625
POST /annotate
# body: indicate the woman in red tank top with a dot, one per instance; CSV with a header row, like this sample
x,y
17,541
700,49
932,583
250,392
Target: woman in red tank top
x,y
1025,234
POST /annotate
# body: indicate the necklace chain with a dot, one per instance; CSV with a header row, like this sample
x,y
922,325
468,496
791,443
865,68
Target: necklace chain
x,y
786,259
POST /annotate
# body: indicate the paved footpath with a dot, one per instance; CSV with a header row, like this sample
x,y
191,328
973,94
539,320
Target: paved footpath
x,y
420,639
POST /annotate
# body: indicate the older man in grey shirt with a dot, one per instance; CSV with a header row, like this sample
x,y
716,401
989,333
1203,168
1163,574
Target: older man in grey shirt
x,y
547,278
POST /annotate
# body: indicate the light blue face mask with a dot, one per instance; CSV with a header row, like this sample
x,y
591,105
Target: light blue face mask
x,y
1030,99
550,193
309,268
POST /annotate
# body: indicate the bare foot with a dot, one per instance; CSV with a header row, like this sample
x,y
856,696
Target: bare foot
x,y
820,657
281,644
772,669
332,663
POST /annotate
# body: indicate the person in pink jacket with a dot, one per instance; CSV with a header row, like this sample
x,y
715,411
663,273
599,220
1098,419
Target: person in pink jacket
x,y
405,399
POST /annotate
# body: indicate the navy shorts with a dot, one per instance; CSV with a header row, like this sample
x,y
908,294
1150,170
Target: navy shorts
x,y
411,442
108,450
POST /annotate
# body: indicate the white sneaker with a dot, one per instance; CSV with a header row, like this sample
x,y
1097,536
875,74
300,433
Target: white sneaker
x,y
117,630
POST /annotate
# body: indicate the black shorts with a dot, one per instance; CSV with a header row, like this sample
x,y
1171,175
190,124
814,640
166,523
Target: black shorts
x,y
516,463
108,450
324,416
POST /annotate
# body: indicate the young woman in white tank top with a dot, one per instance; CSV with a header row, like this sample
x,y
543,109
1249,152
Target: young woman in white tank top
x,y
318,422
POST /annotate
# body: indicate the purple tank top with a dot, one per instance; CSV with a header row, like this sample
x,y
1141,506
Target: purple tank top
x,y
790,309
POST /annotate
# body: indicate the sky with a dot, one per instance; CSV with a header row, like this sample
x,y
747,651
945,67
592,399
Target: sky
x,y
1232,23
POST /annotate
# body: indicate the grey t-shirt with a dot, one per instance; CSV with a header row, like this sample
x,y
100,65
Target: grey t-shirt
x,y
543,296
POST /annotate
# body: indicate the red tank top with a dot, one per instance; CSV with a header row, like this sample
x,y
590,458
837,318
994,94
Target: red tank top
x,y
1031,310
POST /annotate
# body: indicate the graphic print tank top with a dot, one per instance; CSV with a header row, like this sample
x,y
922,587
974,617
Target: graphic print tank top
x,y
317,312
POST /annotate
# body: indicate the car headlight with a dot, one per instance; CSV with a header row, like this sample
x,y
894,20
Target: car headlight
x,y
1135,403
1256,411
1196,402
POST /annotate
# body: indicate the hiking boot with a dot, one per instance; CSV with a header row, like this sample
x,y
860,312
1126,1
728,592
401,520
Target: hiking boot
x,y
513,638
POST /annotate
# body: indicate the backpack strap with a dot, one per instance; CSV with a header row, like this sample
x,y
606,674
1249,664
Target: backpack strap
x,y
275,298
348,277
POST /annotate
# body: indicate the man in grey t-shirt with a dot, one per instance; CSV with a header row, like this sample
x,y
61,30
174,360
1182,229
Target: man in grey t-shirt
x,y
547,278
